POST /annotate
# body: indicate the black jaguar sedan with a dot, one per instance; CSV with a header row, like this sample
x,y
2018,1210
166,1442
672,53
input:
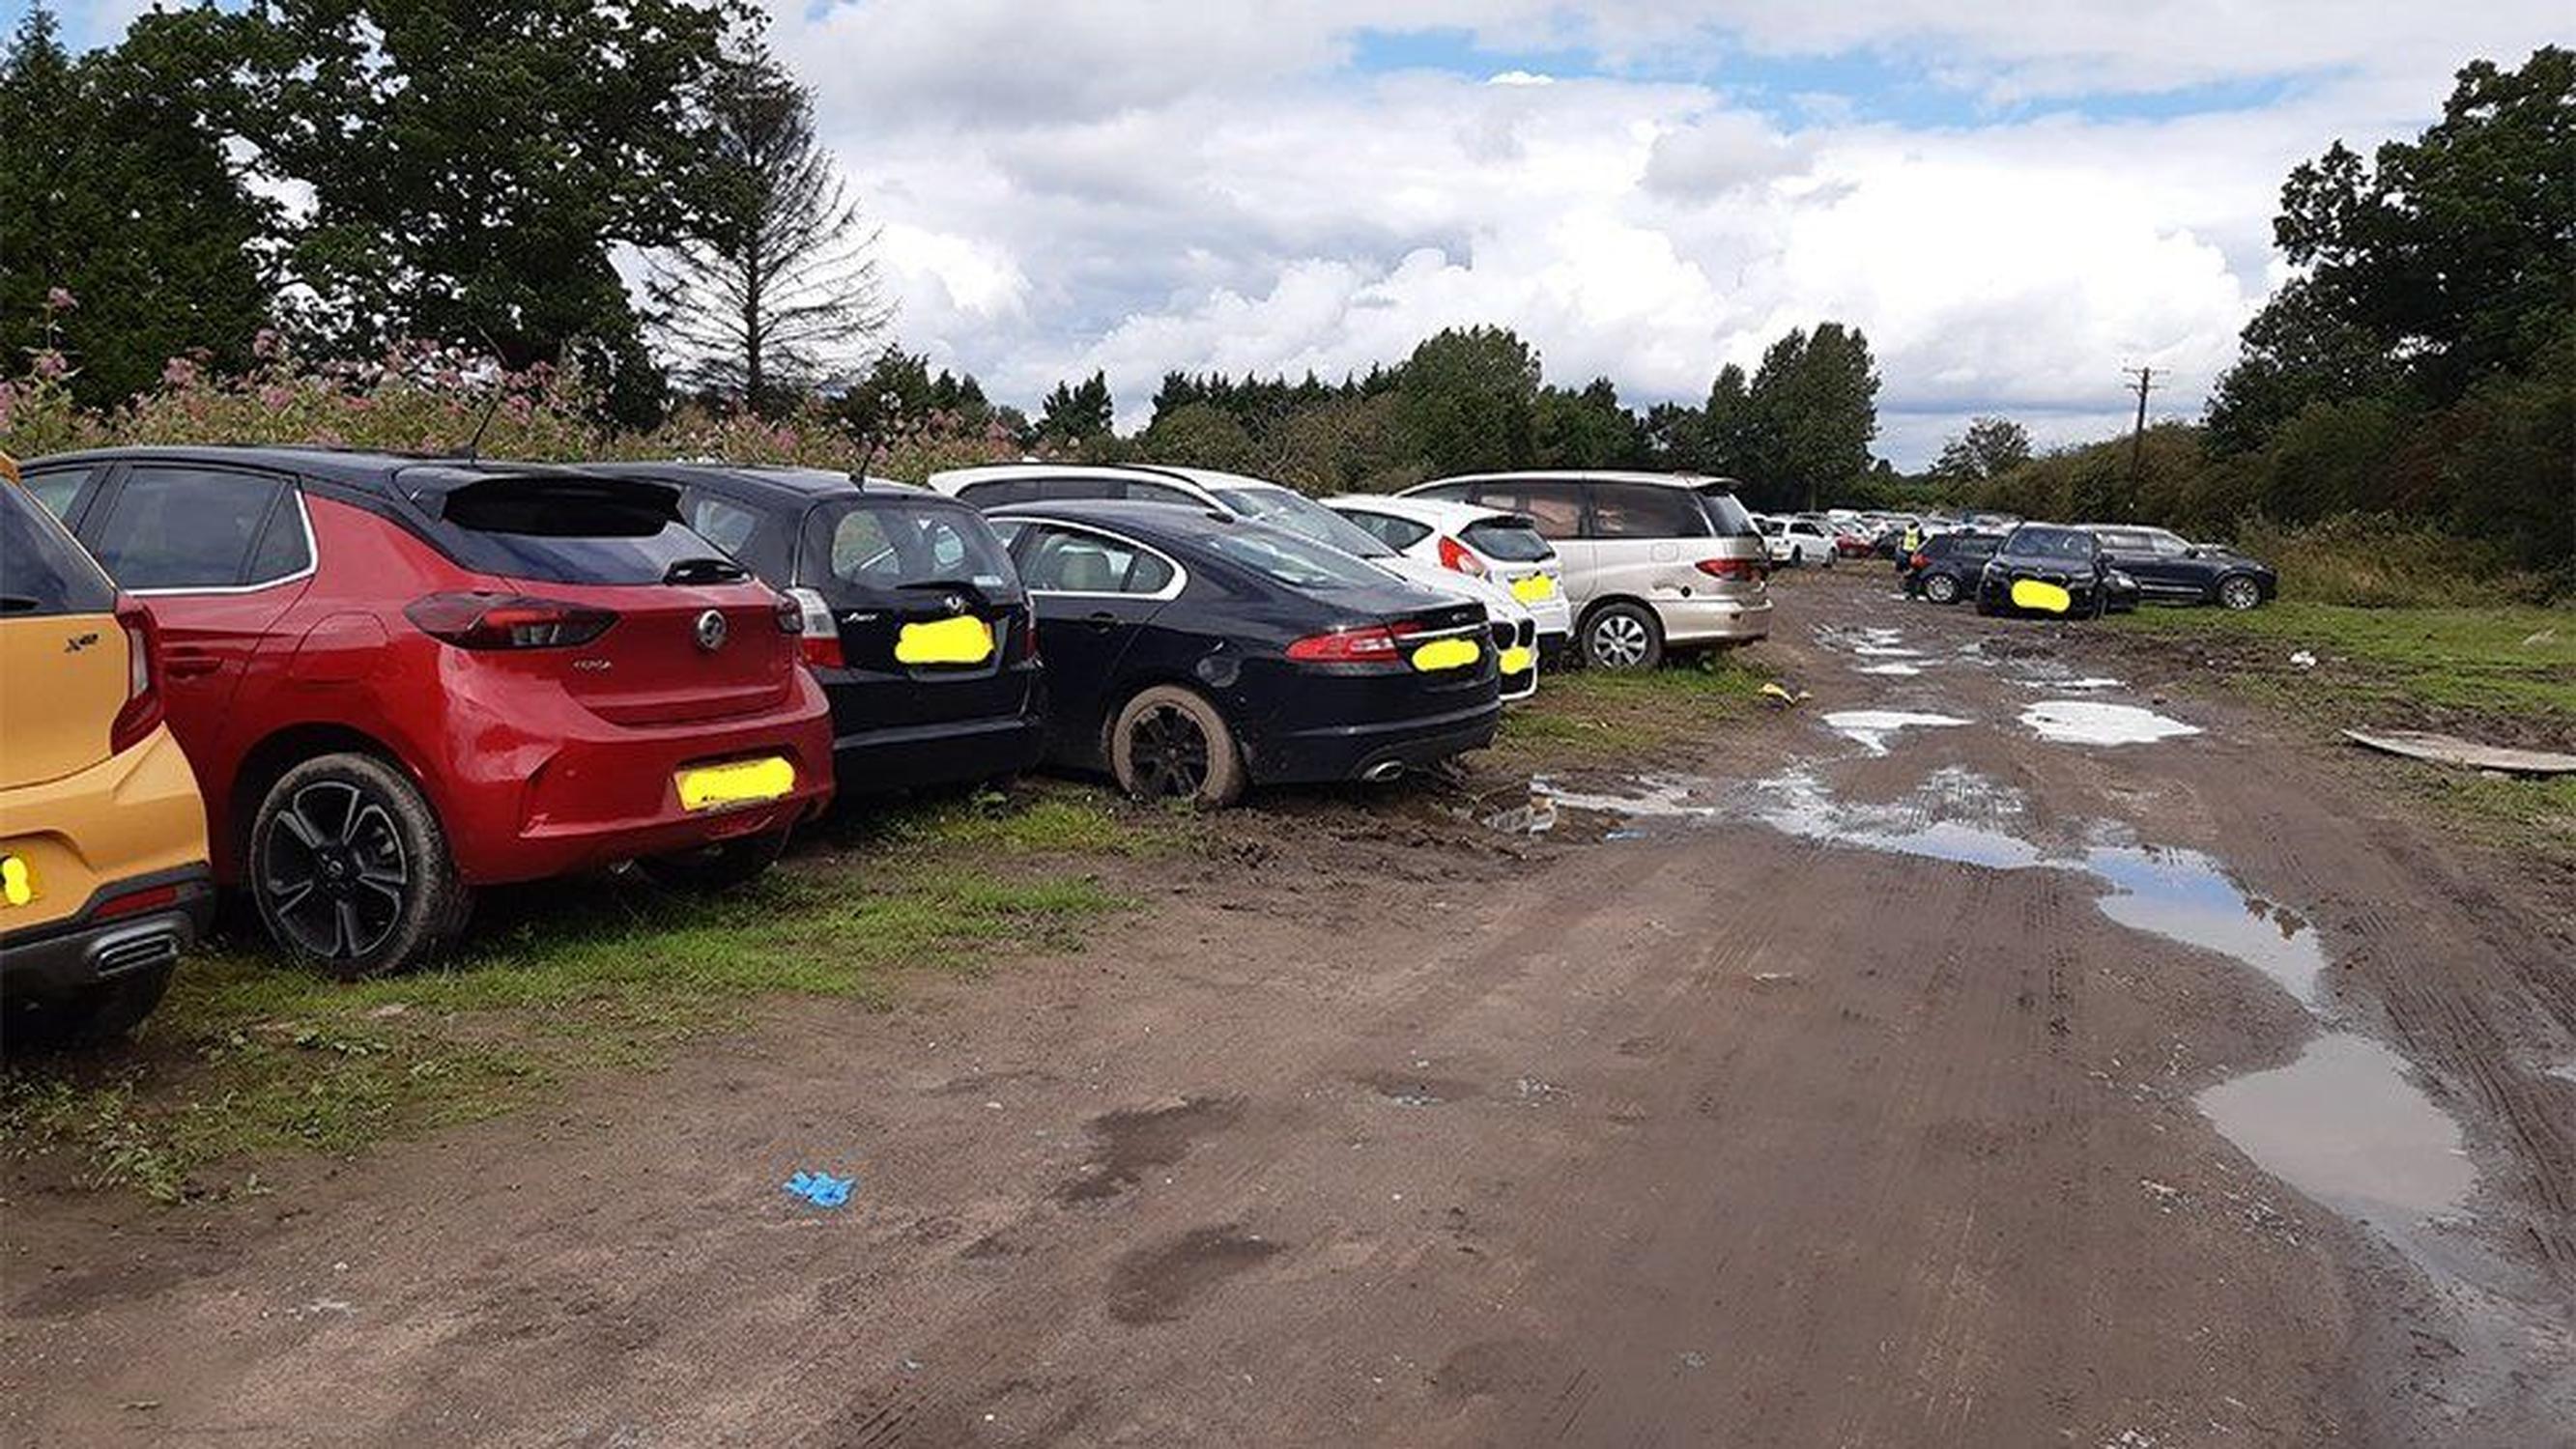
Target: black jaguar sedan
x,y
915,622
1193,653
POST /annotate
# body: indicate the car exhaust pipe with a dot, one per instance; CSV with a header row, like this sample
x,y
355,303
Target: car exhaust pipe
x,y
1382,771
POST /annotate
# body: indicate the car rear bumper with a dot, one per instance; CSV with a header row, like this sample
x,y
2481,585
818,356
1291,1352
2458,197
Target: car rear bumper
x,y
1359,751
872,762
1714,620
65,957
542,801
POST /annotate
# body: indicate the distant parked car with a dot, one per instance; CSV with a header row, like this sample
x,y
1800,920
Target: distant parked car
x,y
401,679
2170,570
1945,569
1193,654
2048,569
913,617
1796,541
1854,539
990,486
1653,561
103,875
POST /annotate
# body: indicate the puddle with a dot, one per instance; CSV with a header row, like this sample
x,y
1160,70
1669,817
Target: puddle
x,y
1534,814
1798,804
1657,798
1873,727
2346,1125
1899,670
2075,685
2090,722
1867,643
2183,895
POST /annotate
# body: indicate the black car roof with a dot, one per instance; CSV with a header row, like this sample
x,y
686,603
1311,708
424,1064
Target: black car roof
x,y
783,480
1168,524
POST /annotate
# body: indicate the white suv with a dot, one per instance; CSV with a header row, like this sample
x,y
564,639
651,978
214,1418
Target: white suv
x,y
1653,561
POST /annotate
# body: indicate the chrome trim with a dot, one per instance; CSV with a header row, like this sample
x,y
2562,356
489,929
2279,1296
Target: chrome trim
x,y
312,561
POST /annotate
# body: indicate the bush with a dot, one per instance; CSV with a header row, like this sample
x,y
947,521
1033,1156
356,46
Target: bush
x,y
2377,560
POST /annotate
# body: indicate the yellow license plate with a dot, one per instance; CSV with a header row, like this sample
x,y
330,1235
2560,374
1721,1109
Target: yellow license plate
x,y
1517,660
962,640
1533,588
745,782
17,881
1447,654
2041,595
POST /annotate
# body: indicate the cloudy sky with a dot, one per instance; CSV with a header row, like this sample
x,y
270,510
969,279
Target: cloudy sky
x,y
2015,201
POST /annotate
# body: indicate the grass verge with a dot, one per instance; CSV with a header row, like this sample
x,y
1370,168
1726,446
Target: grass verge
x,y
1592,716
247,1058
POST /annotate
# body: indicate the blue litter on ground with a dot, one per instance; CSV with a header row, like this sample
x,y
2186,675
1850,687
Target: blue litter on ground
x,y
821,1189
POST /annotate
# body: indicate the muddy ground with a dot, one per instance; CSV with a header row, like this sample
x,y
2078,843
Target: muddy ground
x,y
1858,1082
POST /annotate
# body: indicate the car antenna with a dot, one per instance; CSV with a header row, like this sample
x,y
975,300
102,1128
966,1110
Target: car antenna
x,y
491,405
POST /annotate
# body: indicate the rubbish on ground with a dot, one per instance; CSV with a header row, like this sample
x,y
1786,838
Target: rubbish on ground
x,y
2466,754
821,1189
2304,659
1778,695
2545,636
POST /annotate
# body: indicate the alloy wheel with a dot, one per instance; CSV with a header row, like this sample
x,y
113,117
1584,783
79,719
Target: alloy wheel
x,y
1619,641
334,871
2239,593
1169,753
1941,589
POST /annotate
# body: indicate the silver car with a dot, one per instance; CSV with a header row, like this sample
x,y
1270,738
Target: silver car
x,y
1653,561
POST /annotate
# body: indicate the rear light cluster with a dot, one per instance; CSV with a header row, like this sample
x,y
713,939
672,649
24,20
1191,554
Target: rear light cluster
x,y
507,621
1367,644
1920,561
818,637
1736,570
142,711
1456,555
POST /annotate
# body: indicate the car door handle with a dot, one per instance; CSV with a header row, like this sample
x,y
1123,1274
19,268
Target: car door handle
x,y
1102,622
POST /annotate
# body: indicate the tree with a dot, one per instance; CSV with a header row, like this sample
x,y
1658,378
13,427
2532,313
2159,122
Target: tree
x,y
1586,429
1466,399
474,167
1990,448
1199,435
770,283
117,193
1802,427
1734,441
1075,413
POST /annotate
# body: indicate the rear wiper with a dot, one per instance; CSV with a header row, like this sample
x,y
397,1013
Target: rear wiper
x,y
704,571
954,586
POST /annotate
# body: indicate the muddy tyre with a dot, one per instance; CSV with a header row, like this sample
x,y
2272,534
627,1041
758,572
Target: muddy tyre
x,y
1622,636
350,870
1171,744
1942,589
712,869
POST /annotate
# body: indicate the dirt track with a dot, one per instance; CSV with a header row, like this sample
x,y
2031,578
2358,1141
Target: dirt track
x,y
1836,1097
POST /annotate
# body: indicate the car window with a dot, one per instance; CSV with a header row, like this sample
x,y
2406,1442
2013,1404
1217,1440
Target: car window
x,y
1071,561
2051,543
998,491
1553,506
285,547
879,547
1057,489
1726,516
1395,533
1140,491
722,522
563,529
59,488
2122,540
1294,560
174,527
1508,539
1975,545
2167,544
41,570
1643,510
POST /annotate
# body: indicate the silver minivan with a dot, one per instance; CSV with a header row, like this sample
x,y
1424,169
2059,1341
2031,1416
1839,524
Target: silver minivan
x,y
1653,561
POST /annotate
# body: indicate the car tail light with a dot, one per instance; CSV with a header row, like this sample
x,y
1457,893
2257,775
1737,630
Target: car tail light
x,y
506,621
1456,555
142,712
818,640
1029,635
1920,561
1740,570
1367,644
135,903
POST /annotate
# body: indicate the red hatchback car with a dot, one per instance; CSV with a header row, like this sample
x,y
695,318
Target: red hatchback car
x,y
399,679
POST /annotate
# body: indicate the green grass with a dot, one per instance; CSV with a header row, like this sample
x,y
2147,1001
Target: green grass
x,y
2498,659
1586,716
247,1057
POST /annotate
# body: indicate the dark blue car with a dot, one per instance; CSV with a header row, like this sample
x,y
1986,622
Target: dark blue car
x,y
1192,653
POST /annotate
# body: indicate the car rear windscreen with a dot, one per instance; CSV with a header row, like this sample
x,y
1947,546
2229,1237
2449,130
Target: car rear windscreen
x,y
566,530
1508,539
873,549
1305,517
1725,515
1294,560
42,571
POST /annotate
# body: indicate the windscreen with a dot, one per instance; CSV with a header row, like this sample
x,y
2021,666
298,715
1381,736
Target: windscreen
x,y
2050,543
1509,539
1725,515
1305,517
567,530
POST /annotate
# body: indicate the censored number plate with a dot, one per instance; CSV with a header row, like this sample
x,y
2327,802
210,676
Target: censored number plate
x,y
744,782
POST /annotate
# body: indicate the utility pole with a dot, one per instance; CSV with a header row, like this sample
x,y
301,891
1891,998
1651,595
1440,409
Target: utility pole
x,y
2146,381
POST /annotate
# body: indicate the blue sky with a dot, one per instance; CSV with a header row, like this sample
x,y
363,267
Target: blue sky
x,y
2015,203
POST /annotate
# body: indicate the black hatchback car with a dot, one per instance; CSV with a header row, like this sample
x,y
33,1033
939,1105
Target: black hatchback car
x,y
915,621
2171,570
2046,568
1946,567
1194,653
